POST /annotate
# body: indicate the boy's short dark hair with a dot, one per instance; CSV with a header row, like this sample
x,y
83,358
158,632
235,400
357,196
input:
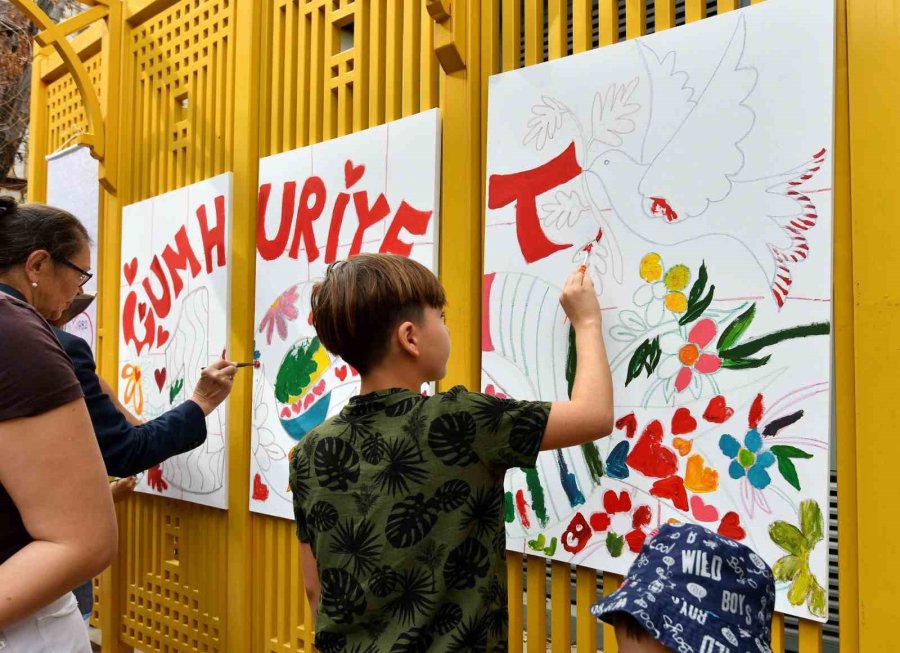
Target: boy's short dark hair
x,y
633,630
363,298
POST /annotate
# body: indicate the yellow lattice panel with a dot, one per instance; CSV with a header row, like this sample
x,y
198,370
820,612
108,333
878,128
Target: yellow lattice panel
x,y
181,96
332,67
176,577
66,115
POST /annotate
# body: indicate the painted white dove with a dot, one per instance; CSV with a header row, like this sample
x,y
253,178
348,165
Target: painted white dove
x,y
687,184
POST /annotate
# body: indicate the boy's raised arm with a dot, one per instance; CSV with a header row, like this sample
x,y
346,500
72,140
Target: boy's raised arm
x,y
588,415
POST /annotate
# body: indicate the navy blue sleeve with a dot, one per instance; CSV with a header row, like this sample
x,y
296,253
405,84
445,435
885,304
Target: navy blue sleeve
x,y
127,449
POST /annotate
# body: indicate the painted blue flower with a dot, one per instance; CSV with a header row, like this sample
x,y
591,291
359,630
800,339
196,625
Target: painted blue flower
x,y
750,460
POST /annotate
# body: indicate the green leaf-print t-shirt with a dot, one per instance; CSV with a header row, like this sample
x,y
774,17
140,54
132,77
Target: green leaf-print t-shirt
x,y
401,498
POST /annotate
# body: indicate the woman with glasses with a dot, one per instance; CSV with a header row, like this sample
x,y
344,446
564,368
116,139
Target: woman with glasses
x,y
57,524
44,261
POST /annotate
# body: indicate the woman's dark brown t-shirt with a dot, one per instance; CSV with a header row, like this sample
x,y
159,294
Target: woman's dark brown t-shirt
x,y
36,376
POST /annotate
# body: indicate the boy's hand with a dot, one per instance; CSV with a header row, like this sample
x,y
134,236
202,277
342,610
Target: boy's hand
x,y
579,299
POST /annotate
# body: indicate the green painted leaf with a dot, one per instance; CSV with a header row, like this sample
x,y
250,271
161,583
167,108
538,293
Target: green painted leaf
x,y
696,310
818,600
744,363
509,510
551,549
788,471
735,330
175,389
593,461
538,544
788,451
653,357
645,357
786,568
788,537
571,362
614,544
296,371
699,285
636,364
800,588
811,523
753,346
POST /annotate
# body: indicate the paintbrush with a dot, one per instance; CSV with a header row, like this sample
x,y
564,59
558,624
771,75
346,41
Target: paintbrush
x,y
254,364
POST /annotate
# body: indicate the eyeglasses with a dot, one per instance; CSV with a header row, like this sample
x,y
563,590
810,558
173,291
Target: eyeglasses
x,y
85,275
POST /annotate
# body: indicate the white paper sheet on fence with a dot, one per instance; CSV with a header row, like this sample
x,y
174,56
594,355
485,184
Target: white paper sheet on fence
x,y
72,185
704,153
375,190
175,316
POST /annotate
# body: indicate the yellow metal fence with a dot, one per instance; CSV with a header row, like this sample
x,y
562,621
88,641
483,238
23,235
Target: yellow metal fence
x,y
194,88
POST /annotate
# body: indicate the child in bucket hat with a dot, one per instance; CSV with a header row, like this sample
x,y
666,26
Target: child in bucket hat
x,y
692,591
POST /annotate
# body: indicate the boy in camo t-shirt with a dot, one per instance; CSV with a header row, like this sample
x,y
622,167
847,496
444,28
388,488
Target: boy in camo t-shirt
x,y
399,498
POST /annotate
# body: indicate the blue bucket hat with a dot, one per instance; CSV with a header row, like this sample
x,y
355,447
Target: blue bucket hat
x,y
695,591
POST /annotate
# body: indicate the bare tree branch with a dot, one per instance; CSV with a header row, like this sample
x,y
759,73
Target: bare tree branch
x,y
16,37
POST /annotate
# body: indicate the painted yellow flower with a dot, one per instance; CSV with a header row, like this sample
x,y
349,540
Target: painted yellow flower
x,y
651,268
666,284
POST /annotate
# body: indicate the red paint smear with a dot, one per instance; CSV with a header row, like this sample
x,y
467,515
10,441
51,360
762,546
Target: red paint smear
x,y
756,411
522,509
629,423
641,517
486,343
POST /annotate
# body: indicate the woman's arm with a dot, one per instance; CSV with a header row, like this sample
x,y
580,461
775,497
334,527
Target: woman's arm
x,y
51,466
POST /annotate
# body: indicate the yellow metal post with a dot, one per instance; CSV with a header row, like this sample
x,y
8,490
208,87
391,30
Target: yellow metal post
x,y
873,48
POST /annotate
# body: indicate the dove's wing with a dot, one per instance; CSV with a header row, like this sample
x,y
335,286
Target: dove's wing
x,y
671,100
695,167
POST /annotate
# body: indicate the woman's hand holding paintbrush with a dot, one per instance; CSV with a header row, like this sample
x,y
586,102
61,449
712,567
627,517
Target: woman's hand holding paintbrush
x,y
215,384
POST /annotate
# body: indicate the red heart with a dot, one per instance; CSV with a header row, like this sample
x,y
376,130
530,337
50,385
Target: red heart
x,y
641,517
353,371
297,406
309,319
671,488
142,310
600,521
352,173
309,401
613,503
650,457
160,378
320,388
703,511
341,372
285,413
635,540
162,336
717,411
629,423
260,489
130,270
731,526
683,422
